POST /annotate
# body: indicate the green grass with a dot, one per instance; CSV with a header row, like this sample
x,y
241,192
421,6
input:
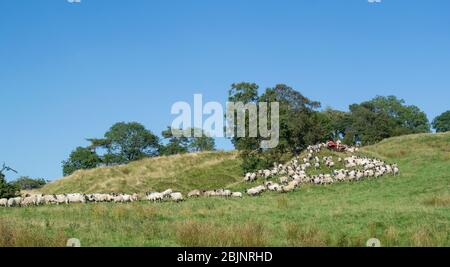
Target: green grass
x,y
412,209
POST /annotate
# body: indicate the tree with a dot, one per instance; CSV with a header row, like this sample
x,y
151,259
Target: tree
x,y
409,119
367,126
442,122
126,142
27,183
176,144
300,125
299,122
383,117
7,190
80,158
183,144
337,122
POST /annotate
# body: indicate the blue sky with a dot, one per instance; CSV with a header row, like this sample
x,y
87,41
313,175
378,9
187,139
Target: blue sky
x,y
69,71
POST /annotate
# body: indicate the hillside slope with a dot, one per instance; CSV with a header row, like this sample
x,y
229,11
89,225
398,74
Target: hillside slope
x,y
208,170
412,209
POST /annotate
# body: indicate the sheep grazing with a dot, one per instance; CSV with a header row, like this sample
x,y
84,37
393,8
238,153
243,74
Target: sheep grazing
x,y
154,196
61,199
284,180
134,197
3,202
76,198
14,202
273,187
395,169
28,201
256,190
236,195
293,174
177,197
250,177
194,193
167,193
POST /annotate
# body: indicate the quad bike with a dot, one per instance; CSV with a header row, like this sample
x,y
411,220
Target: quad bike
x,y
336,146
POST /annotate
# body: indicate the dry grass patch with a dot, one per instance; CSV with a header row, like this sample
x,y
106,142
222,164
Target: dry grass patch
x,y
196,234
438,201
13,234
298,236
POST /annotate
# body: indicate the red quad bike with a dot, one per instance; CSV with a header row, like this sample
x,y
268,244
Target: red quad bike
x,y
336,147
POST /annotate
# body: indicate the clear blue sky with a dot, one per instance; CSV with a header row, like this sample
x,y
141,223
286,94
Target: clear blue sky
x,y
69,71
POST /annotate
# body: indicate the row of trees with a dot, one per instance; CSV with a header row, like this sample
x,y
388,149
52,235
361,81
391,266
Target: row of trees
x,y
127,142
302,123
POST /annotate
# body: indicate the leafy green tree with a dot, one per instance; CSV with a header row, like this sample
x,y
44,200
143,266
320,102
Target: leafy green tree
x,y
202,143
336,122
383,117
175,145
299,121
442,122
80,158
126,142
300,125
27,183
7,190
368,126
409,119
184,144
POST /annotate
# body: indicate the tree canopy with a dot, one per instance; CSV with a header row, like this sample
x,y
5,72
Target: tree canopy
x,y
7,190
185,144
442,122
80,158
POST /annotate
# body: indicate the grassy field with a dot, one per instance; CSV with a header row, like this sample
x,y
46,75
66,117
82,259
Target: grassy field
x,y
412,209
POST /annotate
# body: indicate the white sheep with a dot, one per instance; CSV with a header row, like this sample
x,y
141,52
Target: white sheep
x,y
167,193
14,202
194,193
76,198
3,202
236,194
155,196
177,197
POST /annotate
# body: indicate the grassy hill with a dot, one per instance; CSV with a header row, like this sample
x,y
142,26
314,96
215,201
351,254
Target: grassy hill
x,y
208,170
412,209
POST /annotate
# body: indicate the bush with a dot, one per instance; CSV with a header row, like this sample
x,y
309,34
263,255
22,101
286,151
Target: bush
x,y
27,183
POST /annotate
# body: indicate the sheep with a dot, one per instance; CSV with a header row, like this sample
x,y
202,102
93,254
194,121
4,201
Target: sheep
x,y
177,197
134,197
209,193
256,190
14,202
284,180
126,198
194,193
236,195
61,199
76,198
28,201
155,196
395,169
167,193
287,188
250,177
273,187
3,202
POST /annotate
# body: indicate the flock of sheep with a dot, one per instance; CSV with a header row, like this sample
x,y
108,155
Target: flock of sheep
x,y
290,176
40,199
293,174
